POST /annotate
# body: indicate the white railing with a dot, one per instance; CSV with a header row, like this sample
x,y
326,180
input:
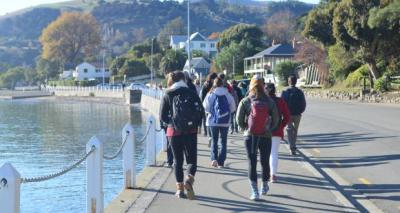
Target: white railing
x,y
87,89
11,180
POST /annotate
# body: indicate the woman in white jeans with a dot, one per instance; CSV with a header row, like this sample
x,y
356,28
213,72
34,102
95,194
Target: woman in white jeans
x,y
278,134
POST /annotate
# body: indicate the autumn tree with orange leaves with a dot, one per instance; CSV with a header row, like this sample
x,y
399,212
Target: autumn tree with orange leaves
x,y
70,38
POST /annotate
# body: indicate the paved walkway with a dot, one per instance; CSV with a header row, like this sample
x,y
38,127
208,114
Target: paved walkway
x,y
299,188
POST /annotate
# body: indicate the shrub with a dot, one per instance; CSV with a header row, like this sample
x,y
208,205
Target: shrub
x,y
382,84
284,70
355,79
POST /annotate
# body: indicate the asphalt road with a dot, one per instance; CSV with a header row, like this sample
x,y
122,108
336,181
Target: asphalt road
x,y
360,145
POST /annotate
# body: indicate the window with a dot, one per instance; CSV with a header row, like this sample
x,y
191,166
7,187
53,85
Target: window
x,y
212,45
85,70
97,70
107,70
202,45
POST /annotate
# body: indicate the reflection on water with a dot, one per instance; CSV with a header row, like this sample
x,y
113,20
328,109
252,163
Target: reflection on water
x,y
42,136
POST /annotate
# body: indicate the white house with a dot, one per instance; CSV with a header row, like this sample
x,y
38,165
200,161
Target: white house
x,y
86,71
264,62
199,67
197,42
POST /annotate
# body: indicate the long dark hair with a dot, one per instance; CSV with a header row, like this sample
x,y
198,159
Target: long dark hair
x,y
218,82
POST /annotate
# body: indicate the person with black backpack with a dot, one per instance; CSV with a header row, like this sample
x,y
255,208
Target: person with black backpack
x,y
296,102
181,110
277,135
257,114
219,105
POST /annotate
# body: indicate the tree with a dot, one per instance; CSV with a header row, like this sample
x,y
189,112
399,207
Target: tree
x,y
318,24
117,64
134,67
70,38
310,52
172,60
284,70
247,35
10,78
225,59
174,27
46,69
351,29
342,62
280,27
156,62
140,49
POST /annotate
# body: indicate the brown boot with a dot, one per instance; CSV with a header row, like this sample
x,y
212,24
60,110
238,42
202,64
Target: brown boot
x,y
189,187
180,193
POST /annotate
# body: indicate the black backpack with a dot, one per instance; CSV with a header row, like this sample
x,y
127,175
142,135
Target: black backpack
x,y
295,101
186,111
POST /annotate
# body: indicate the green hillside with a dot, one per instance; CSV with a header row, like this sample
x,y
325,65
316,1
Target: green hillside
x,y
131,21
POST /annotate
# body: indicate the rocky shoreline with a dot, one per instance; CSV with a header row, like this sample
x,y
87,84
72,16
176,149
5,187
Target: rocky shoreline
x,y
387,98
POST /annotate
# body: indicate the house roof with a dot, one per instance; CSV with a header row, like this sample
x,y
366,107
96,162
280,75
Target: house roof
x,y
276,50
176,39
197,37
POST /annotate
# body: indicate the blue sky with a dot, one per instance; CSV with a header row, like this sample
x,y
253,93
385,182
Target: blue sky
x,y
13,5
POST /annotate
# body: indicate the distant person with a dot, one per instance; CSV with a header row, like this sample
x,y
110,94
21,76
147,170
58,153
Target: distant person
x,y
189,81
181,111
219,105
237,96
257,114
226,84
277,135
198,86
203,93
296,102
243,88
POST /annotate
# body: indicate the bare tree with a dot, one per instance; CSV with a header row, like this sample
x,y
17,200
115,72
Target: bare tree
x,y
280,27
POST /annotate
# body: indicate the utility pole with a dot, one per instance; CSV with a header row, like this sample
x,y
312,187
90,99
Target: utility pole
x,y
188,34
104,55
233,66
151,61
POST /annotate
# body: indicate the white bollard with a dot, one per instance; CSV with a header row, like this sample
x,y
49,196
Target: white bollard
x,y
164,141
128,155
94,176
10,187
151,142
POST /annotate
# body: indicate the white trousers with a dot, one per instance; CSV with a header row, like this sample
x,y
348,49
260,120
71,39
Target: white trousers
x,y
273,158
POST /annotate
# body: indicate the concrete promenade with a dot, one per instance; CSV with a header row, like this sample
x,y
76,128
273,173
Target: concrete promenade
x,y
300,187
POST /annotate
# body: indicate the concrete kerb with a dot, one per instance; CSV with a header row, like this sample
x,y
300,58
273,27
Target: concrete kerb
x,y
128,197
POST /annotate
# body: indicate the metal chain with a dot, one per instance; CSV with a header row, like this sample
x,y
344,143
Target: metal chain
x,y
119,150
159,130
51,176
145,136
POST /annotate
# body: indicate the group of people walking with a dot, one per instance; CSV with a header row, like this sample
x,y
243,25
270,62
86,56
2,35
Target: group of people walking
x,y
218,106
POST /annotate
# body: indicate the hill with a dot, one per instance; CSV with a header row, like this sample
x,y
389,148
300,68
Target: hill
x,y
130,21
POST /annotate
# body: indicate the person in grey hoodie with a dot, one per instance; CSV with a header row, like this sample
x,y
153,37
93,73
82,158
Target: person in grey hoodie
x,y
246,118
219,105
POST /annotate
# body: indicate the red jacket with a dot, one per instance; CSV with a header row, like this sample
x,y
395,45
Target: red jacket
x,y
284,114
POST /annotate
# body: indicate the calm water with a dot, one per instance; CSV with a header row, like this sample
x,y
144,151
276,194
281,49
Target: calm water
x,y
42,136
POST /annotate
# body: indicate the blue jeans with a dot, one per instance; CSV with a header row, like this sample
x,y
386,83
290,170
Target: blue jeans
x,y
216,133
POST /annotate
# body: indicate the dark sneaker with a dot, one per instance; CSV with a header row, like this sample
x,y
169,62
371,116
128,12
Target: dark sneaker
x,y
293,152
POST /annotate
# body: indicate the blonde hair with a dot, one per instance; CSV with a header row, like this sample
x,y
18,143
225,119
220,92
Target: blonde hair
x,y
256,88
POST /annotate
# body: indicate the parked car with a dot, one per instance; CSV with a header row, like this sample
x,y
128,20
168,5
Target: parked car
x,y
133,86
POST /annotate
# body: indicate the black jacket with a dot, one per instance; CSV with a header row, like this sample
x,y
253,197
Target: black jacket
x,y
166,108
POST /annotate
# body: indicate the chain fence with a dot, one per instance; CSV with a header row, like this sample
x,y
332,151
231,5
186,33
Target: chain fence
x,y
119,149
145,135
54,175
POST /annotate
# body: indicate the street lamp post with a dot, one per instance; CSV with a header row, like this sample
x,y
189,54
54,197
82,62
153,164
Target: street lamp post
x,y
188,34
151,61
104,70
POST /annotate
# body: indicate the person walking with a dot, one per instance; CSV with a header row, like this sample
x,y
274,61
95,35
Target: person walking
x,y
237,96
296,103
203,93
257,114
277,135
219,105
181,110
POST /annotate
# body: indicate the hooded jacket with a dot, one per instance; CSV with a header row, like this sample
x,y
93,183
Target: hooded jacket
x,y
166,108
210,99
